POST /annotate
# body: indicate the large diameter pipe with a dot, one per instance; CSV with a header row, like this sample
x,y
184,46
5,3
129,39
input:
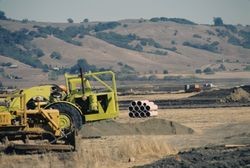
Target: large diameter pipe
x,y
137,114
133,103
130,108
141,102
142,108
151,113
143,114
136,108
151,107
131,114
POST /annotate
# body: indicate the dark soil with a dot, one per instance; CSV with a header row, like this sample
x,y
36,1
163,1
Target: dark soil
x,y
216,157
148,127
233,94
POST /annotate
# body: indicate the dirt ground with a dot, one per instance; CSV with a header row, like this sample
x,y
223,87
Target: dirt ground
x,y
212,126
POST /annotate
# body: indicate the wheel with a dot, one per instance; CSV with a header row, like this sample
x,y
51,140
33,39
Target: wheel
x,y
69,115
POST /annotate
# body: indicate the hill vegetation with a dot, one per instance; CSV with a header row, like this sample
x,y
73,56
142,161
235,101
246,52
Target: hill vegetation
x,y
129,47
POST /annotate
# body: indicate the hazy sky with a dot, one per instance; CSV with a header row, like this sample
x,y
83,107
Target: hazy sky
x,y
199,11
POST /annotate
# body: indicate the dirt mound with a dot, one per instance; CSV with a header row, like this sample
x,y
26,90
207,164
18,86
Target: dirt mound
x,y
238,94
215,94
207,157
149,127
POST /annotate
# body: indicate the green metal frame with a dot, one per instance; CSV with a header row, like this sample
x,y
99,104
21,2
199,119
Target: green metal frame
x,y
74,89
73,83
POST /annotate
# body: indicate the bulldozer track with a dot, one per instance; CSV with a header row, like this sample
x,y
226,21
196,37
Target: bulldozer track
x,y
35,148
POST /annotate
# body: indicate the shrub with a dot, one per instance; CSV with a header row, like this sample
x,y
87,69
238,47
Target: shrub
x,y
55,55
176,20
198,71
38,52
86,20
105,26
247,68
127,69
209,32
70,20
222,67
208,70
152,78
165,71
222,33
8,46
82,63
158,52
25,21
246,38
209,47
218,21
234,41
138,47
172,78
232,28
2,16
196,36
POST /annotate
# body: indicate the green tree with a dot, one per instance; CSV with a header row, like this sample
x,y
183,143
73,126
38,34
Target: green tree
x,y
70,20
218,21
165,71
208,70
38,52
25,21
2,16
55,55
86,20
198,71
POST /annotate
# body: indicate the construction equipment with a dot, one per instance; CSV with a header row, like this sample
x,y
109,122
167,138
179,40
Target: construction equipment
x,y
192,88
86,97
31,126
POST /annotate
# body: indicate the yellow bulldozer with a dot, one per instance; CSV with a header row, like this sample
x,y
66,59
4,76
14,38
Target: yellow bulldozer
x,y
54,113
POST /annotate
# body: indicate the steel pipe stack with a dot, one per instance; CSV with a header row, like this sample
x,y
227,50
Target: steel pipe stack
x,y
142,109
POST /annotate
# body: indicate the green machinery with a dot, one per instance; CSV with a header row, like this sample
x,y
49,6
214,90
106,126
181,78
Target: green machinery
x,y
85,98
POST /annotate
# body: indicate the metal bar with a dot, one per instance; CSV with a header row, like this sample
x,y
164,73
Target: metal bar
x,y
50,120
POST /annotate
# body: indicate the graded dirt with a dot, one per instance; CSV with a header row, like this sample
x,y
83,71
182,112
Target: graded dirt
x,y
154,126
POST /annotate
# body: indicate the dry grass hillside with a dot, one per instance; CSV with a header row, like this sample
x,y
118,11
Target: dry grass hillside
x,y
166,51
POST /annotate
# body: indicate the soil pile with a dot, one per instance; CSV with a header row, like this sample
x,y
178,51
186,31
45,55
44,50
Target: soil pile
x,y
219,156
149,127
238,95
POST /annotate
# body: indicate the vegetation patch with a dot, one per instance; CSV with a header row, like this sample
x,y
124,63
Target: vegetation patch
x,y
124,41
213,47
176,20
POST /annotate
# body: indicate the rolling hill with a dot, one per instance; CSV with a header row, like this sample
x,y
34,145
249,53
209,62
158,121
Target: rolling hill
x,y
137,47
